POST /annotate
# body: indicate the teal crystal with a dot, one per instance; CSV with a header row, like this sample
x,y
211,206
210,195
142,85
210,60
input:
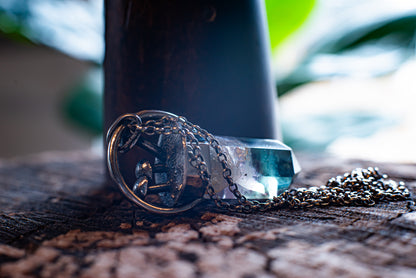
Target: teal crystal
x,y
262,168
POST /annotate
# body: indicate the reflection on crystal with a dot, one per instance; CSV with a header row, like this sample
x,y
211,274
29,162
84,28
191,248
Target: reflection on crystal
x,y
272,185
261,168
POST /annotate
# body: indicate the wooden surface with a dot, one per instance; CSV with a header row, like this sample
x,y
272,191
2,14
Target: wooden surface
x,y
59,219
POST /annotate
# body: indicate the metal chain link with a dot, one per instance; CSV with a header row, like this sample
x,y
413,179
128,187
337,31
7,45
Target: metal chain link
x,y
361,187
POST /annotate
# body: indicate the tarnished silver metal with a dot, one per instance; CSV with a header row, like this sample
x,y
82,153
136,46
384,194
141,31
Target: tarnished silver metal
x,y
166,179
131,126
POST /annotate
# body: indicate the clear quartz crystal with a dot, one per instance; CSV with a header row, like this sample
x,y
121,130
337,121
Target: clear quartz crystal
x,y
262,168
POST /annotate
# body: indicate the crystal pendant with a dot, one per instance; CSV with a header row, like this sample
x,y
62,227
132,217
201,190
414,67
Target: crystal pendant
x,y
174,179
262,168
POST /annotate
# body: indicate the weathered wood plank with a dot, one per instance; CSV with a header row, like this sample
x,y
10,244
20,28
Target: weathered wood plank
x,y
58,218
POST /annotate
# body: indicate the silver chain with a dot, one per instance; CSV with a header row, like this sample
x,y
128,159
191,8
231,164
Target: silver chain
x,y
361,187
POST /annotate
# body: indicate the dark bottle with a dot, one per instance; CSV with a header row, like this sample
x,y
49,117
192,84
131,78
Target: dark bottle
x,y
205,60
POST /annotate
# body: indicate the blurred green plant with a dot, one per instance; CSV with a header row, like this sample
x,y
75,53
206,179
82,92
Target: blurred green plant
x,y
12,28
286,16
74,27
374,49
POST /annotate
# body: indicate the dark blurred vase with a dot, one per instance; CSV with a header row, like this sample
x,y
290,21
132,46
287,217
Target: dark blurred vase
x,y
205,60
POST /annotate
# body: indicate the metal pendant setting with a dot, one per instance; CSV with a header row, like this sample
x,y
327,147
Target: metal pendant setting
x,y
184,165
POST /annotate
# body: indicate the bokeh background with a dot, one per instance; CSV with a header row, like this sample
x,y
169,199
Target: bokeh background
x,y
345,73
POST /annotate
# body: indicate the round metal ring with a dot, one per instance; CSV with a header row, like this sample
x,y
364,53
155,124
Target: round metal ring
x,y
134,117
113,139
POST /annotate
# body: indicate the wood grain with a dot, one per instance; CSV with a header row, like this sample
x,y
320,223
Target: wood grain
x,y
60,219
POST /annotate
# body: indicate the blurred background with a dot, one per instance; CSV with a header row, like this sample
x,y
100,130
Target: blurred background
x,y
344,71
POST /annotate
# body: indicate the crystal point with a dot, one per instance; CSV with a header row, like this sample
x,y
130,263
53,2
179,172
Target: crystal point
x,y
261,168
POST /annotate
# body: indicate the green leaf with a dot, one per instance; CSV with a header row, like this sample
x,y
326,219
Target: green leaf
x,y
285,16
388,36
11,28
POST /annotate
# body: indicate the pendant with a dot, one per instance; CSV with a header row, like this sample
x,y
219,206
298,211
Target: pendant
x,y
172,183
